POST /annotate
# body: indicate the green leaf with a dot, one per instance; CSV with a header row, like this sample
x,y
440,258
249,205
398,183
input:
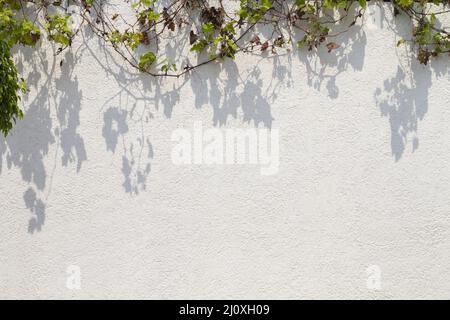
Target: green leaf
x,y
400,42
58,28
208,27
229,28
404,3
146,60
266,5
199,45
301,43
9,89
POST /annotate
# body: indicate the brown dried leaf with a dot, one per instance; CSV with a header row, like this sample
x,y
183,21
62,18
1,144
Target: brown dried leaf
x,y
264,46
255,40
171,25
332,46
192,37
145,38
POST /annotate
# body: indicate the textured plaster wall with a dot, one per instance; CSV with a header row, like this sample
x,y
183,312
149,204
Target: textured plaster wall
x,y
87,180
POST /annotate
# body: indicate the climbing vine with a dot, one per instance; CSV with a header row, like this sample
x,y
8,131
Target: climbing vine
x,y
216,30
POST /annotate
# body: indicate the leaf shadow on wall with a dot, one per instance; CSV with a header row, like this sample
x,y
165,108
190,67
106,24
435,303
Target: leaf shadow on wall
x,y
141,95
323,66
235,96
404,101
231,95
135,147
404,98
27,146
137,155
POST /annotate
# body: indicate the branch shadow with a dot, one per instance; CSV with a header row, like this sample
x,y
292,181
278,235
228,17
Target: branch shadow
x,y
404,98
404,101
53,115
28,144
323,67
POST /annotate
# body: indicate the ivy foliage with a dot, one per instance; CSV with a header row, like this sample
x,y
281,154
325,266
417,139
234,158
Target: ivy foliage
x,y
13,30
216,31
9,90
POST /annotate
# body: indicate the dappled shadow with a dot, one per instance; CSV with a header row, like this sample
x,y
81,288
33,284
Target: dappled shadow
x,y
233,92
68,107
322,67
136,166
37,208
114,126
404,100
136,156
236,93
28,144
220,86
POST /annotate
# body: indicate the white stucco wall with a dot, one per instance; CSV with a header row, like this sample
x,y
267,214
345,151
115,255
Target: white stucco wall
x,y
87,179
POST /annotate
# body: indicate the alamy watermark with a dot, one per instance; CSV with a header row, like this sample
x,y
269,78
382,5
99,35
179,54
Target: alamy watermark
x,y
373,281
374,16
73,281
213,146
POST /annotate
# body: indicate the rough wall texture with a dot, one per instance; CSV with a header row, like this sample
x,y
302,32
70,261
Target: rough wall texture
x,y
361,196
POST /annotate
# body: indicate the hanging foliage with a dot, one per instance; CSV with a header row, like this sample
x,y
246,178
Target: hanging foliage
x,y
216,29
